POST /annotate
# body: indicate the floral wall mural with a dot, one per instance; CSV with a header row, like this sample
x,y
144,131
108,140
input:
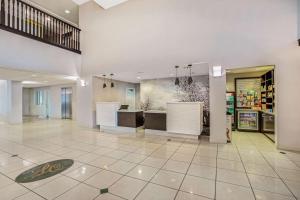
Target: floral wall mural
x,y
157,92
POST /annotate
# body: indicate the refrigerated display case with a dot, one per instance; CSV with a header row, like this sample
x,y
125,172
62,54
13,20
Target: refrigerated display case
x,y
230,101
248,120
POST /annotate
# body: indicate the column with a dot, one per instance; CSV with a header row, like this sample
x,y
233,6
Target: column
x,y
217,100
15,112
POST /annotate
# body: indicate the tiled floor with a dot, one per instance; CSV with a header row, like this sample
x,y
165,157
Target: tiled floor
x,y
144,168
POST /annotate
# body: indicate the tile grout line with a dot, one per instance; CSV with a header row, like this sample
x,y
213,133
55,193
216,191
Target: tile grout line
x,y
279,177
136,164
245,171
21,186
216,176
187,170
147,182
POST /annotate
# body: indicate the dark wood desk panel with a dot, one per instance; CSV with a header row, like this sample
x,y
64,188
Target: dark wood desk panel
x,y
130,119
156,121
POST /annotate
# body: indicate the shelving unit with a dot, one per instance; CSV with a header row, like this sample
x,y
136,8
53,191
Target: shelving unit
x,y
268,92
230,106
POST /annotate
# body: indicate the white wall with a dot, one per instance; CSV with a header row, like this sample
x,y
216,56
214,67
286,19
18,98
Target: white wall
x,y
287,79
85,103
3,99
152,35
17,52
115,94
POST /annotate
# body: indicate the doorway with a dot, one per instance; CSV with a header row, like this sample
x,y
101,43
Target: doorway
x,y
66,103
250,100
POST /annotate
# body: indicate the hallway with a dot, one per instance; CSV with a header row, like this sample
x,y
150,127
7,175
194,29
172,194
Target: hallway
x,y
139,167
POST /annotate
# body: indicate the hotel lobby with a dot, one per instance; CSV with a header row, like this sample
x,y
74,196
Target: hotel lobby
x,y
149,100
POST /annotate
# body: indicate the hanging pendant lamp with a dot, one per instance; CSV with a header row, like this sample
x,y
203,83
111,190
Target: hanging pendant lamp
x,y
190,79
111,81
104,84
177,82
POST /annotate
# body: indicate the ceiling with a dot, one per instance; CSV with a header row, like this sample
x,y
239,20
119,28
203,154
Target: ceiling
x,y
33,79
148,73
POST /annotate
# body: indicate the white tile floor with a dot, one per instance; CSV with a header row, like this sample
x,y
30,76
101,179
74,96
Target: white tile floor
x,y
144,167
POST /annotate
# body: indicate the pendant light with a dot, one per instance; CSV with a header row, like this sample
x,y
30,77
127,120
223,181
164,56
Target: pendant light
x,y
177,82
104,84
111,81
190,79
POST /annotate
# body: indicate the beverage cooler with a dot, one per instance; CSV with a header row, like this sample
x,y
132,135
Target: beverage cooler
x,y
248,120
268,124
230,101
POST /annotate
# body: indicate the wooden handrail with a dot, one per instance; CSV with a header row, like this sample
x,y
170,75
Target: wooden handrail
x,y
24,19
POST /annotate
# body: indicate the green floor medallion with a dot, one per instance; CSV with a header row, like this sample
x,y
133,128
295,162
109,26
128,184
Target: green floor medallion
x,y
44,171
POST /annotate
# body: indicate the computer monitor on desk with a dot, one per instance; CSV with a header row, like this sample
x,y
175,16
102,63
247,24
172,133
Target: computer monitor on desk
x,y
124,107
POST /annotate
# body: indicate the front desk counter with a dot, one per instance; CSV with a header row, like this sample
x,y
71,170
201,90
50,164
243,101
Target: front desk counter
x,y
185,118
130,118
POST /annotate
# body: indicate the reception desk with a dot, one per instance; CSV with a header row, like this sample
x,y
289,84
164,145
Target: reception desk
x,y
185,118
106,114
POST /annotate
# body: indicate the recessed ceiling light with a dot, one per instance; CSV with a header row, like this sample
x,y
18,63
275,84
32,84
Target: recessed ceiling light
x,y
73,78
34,75
67,11
30,82
138,77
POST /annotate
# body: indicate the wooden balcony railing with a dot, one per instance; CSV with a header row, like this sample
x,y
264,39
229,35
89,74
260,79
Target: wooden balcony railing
x,y
21,18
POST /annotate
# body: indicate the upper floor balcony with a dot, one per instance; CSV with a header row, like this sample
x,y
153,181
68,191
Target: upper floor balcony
x,y
24,19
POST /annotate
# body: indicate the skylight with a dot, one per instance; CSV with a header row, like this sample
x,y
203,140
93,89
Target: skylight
x,y
106,4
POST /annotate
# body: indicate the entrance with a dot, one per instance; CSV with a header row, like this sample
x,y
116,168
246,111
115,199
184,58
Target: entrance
x,y
250,100
66,103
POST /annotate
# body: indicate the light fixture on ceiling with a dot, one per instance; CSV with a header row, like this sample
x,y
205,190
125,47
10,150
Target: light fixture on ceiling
x,y
139,77
30,82
104,84
111,81
67,11
190,79
72,78
177,82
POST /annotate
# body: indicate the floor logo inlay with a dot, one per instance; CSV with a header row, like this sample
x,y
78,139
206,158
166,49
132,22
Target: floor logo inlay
x,y
44,171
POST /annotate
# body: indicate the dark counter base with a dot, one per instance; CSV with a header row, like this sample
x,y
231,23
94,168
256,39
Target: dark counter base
x,y
130,119
156,121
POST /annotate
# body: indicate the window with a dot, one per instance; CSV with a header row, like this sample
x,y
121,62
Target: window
x,y
39,97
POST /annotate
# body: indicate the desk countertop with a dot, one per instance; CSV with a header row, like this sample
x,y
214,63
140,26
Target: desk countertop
x,y
130,111
156,111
